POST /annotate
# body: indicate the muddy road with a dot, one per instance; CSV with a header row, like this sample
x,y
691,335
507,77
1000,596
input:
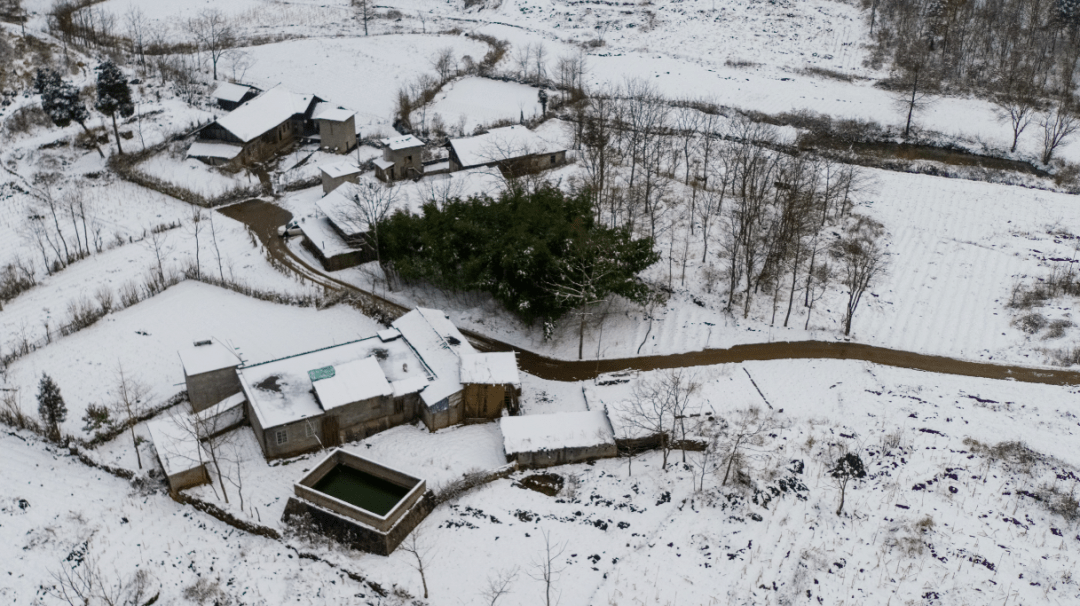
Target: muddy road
x,y
264,218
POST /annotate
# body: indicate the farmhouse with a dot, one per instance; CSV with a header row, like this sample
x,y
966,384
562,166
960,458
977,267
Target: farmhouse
x,y
229,96
419,368
514,149
270,122
337,238
401,159
336,173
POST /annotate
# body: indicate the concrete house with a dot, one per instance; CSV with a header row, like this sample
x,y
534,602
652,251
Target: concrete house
x,y
513,149
229,96
209,373
267,124
336,126
336,173
318,399
401,159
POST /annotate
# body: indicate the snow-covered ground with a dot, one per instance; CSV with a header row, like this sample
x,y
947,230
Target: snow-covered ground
x,y
474,102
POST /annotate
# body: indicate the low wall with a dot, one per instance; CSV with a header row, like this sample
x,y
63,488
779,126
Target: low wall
x,y
352,534
562,456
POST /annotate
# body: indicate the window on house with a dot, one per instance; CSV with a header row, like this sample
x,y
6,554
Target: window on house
x,y
282,436
408,159
309,430
553,158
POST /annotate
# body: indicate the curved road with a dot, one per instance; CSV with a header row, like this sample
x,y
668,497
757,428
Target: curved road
x,y
264,218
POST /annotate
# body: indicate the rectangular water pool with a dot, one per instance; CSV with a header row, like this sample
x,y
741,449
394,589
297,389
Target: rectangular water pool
x,y
362,489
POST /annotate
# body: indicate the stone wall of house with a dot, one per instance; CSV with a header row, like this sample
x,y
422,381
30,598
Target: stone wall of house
x,y
329,183
188,478
209,388
297,440
337,136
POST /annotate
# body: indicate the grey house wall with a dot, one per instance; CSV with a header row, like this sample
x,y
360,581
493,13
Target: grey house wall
x,y
329,183
337,136
353,534
209,388
407,164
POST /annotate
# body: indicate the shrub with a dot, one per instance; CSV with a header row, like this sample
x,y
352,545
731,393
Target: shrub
x,y
1031,323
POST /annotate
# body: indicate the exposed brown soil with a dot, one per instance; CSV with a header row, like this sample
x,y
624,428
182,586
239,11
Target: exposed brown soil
x,y
263,218
909,151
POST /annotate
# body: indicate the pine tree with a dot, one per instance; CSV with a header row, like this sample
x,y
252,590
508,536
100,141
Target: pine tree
x,y
60,101
51,406
113,96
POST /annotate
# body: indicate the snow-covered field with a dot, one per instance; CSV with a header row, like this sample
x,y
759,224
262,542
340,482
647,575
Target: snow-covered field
x,y
473,102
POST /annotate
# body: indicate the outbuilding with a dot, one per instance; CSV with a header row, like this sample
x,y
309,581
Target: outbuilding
x,y
209,373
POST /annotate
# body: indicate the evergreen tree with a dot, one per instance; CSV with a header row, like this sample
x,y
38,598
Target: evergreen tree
x,y
113,96
51,406
60,100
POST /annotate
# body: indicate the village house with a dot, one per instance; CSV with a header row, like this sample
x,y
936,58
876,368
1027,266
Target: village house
x,y
513,149
337,238
260,128
336,173
401,159
209,373
229,96
421,368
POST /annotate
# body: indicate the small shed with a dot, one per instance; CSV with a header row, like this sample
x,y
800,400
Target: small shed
x,y
557,439
229,96
401,159
336,173
209,373
491,384
179,451
337,127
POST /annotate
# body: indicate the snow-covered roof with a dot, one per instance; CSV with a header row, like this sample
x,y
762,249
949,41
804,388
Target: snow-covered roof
x,y
207,356
265,112
383,163
227,91
388,334
532,433
498,368
280,391
501,144
339,208
325,111
175,442
214,149
340,169
322,235
404,142
439,344
350,382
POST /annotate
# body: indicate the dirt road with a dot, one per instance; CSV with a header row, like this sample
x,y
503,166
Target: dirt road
x,y
264,218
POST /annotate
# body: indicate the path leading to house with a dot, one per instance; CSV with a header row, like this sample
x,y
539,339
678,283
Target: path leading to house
x,y
264,218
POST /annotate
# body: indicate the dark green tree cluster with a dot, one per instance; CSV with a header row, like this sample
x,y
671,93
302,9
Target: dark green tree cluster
x,y
540,254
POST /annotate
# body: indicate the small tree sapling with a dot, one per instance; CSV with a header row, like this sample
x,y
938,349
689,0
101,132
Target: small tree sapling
x,y
848,467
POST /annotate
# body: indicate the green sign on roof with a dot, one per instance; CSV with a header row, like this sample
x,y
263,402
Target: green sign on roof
x,y
326,372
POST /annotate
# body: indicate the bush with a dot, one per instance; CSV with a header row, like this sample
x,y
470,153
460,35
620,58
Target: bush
x,y
1031,323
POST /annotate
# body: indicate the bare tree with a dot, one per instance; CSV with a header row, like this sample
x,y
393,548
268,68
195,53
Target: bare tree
x,y
214,240
546,568
498,585
540,57
1058,124
861,256
157,241
913,81
130,401
444,63
1016,108
744,432
415,546
365,11
658,405
523,58
372,203
196,225
138,31
83,582
214,34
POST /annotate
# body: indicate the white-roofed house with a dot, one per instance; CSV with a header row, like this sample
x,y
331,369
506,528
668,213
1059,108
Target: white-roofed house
x,y
230,96
335,173
260,128
557,439
401,159
337,127
514,149
419,368
209,373
491,384
337,238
